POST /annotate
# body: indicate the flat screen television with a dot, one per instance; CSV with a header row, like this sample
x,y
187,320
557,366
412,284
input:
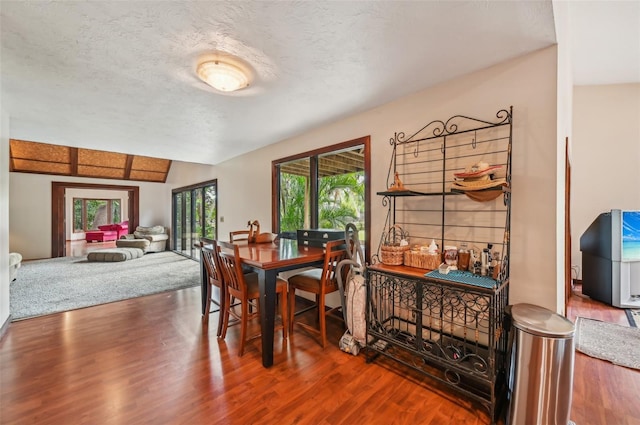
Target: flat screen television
x,y
630,223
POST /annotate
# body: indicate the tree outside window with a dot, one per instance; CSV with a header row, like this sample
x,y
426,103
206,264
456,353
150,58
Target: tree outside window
x,y
322,191
88,214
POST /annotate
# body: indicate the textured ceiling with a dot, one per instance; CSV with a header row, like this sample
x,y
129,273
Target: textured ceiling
x,y
119,76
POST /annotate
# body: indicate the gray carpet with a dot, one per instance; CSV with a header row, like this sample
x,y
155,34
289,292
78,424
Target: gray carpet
x,y
62,284
608,341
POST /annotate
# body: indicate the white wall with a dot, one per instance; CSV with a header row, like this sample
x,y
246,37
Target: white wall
x,y
564,132
528,83
605,155
4,218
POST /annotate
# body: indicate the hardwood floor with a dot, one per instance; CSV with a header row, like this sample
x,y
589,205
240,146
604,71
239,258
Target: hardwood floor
x,y
152,360
602,392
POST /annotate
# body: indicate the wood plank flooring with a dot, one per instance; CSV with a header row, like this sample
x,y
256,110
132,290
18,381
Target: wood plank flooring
x,y
152,360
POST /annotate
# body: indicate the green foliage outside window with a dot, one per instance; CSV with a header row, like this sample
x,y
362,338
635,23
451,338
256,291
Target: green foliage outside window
x,y
292,202
340,201
88,214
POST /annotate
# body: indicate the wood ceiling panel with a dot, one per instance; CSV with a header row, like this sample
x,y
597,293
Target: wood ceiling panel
x,y
328,165
111,159
150,176
27,166
43,158
39,152
104,172
150,164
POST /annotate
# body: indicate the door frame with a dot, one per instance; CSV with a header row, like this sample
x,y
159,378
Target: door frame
x,y
58,213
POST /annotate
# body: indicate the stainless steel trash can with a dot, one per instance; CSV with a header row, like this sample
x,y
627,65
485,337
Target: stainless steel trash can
x,y
541,366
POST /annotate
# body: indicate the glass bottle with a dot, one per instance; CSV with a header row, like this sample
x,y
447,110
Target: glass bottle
x,y
463,256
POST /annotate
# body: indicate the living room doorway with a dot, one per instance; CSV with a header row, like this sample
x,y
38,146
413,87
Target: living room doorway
x,y
59,214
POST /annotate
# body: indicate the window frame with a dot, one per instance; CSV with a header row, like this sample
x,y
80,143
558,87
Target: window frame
x,y
84,218
313,155
202,225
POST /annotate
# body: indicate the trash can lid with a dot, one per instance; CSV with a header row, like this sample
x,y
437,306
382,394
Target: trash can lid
x,y
541,321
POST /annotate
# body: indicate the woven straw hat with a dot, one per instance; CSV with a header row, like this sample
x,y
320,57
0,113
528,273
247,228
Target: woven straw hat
x,y
477,184
478,169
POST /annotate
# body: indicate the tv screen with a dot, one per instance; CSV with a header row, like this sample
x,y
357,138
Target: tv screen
x,y
630,235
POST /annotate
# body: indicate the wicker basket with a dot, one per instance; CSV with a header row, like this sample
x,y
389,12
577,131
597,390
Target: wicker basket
x,y
391,252
393,255
422,260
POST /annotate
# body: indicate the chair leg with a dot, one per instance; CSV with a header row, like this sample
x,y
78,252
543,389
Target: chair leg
x,y
208,307
222,309
284,314
225,317
292,308
323,320
243,325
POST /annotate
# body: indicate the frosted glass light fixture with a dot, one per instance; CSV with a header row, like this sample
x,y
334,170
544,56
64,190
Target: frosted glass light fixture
x,y
223,76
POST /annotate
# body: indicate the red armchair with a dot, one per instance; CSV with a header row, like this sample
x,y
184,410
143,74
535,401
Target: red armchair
x,y
121,228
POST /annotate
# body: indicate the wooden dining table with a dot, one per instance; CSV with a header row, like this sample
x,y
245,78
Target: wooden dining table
x,y
269,259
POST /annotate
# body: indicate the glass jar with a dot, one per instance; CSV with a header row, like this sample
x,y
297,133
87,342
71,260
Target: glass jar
x,y
451,255
463,256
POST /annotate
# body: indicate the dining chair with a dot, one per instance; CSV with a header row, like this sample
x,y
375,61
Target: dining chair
x,y
319,282
239,235
214,279
244,287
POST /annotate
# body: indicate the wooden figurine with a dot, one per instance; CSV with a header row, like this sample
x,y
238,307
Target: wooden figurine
x,y
256,237
397,185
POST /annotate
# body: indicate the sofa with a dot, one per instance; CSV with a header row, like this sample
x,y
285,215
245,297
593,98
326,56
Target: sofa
x,y
121,229
149,239
107,232
100,235
15,260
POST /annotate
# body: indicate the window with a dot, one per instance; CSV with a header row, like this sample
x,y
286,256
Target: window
x,y
326,188
88,214
194,215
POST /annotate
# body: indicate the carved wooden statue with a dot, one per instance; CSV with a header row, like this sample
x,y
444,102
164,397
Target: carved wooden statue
x,y
397,184
256,237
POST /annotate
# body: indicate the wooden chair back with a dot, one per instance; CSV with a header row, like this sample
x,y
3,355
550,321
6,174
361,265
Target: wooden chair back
x,y
335,252
239,235
210,260
319,282
209,253
232,270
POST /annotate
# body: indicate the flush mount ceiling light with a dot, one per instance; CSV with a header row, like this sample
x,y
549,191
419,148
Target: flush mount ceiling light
x,y
222,75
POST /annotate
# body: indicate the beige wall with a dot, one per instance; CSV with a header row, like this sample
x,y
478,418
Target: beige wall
x,y
4,217
605,156
528,83
564,133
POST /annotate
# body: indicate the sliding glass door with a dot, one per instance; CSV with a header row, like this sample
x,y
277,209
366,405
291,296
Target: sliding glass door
x,y
194,215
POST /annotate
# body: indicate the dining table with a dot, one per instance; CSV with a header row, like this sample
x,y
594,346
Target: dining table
x,y
267,260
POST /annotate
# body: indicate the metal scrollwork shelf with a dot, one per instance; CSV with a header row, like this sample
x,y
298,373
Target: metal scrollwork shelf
x,y
450,327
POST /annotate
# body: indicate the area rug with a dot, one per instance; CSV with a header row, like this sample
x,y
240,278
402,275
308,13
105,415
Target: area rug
x,y
62,284
608,341
633,316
